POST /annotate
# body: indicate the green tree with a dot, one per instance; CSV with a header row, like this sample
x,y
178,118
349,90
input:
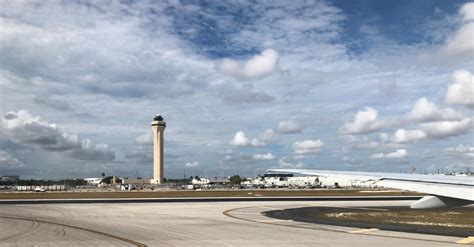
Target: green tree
x,y
107,180
236,179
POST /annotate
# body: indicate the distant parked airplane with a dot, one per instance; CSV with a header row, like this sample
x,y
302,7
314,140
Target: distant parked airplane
x,y
442,190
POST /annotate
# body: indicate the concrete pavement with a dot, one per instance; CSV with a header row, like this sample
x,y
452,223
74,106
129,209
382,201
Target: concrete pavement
x,y
186,224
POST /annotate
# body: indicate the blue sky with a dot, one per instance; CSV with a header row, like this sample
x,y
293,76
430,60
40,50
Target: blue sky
x,y
243,85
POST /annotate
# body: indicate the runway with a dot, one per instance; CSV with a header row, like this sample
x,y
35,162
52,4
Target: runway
x,y
191,223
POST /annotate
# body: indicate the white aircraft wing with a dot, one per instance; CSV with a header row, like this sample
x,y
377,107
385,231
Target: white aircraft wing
x,y
442,190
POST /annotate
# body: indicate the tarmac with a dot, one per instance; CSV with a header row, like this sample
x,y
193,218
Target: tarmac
x,y
199,223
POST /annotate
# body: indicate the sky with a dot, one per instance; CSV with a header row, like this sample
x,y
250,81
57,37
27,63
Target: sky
x,y
244,86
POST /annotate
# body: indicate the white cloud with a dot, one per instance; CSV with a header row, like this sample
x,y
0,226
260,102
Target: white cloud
x,y
462,89
364,122
432,130
461,42
426,111
289,127
447,128
268,156
240,139
258,67
308,147
83,63
400,153
22,127
467,12
405,136
192,164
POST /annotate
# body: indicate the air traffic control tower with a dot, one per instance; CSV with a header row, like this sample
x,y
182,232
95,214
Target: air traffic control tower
x,y
158,125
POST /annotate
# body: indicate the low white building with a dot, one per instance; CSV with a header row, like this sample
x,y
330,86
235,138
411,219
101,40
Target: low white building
x,y
308,181
42,188
200,181
93,181
344,182
273,180
210,182
253,182
276,182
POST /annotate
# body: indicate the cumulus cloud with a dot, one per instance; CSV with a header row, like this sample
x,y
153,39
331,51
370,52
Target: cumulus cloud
x,y
258,67
447,128
364,122
192,164
459,44
426,111
431,130
244,95
264,138
308,147
289,127
462,89
434,123
400,153
467,11
24,128
56,104
240,139
405,136
159,55
267,156
8,161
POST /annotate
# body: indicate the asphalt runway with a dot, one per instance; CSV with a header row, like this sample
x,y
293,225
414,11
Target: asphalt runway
x,y
192,224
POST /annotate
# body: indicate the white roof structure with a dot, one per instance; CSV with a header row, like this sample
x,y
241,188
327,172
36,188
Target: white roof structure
x,y
447,190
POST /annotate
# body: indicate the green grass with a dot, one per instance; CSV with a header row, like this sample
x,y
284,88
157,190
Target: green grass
x,y
460,218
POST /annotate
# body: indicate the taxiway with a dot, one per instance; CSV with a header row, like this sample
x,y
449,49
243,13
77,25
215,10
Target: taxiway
x,y
230,223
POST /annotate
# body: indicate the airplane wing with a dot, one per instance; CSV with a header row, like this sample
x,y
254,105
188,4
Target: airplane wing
x,y
442,190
